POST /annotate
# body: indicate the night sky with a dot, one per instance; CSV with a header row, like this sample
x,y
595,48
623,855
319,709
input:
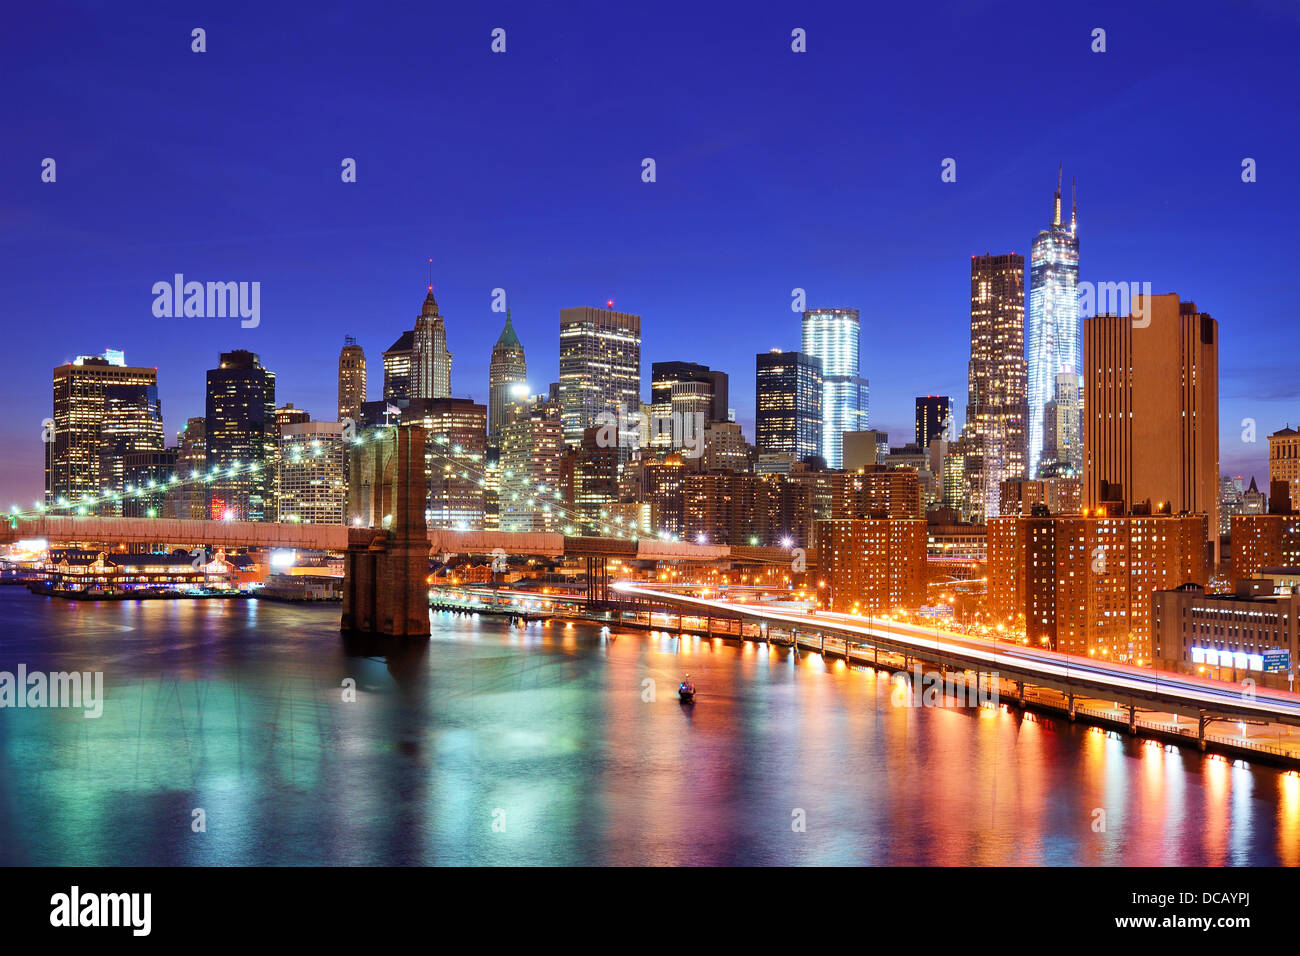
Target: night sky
x,y
522,170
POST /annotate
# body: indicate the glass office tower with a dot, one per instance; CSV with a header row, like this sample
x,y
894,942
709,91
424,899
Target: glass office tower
x,y
831,336
1053,319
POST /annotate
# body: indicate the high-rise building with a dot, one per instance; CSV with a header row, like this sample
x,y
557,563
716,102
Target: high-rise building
x,y
147,479
398,360
188,498
132,423
241,437
508,372
95,396
532,462
1264,541
1082,583
788,404
685,388
352,380
933,413
455,452
1284,461
430,360
873,565
595,477
311,486
600,367
831,336
997,406
1151,401
1063,429
1053,319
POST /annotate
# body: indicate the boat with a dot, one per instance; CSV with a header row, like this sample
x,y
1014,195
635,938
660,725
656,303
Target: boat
x,y
686,690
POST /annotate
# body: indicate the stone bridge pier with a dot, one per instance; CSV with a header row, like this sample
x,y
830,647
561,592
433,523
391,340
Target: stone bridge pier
x,y
385,572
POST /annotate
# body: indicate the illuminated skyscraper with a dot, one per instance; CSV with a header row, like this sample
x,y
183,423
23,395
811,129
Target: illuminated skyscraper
x,y
310,483
788,404
684,388
101,406
831,336
1053,322
397,369
507,369
600,367
352,380
996,407
430,360
241,431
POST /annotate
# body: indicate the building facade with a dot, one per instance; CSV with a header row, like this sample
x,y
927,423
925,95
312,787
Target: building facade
x,y
311,483
241,438
933,414
873,565
352,380
102,409
1151,394
788,404
600,367
1284,461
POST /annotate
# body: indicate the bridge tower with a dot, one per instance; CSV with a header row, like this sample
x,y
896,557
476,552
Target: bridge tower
x,y
385,572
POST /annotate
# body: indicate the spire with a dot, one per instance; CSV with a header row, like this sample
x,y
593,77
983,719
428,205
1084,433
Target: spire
x,y
508,338
1056,204
430,307
1074,205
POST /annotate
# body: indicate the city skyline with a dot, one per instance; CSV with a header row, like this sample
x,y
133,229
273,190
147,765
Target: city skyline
x,y
717,303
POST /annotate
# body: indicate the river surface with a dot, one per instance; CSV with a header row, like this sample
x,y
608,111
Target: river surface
x,y
560,745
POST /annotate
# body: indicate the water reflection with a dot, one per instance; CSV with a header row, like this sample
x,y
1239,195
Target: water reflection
x,y
493,744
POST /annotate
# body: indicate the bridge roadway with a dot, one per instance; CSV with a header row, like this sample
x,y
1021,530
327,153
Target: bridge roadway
x,y
64,529
1133,687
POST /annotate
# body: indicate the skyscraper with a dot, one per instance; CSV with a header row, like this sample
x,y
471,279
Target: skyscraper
x,y
242,437
132,423
95,396
310,483
1151,409
352,379
508,369
788,404
430,360
933,413
831,336
600,366
1284,461
455,449
996,407
398,361
1053,321
532,458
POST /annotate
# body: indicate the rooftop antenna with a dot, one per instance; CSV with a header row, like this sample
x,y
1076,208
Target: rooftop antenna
x,y
1056,204
431,273
1074,204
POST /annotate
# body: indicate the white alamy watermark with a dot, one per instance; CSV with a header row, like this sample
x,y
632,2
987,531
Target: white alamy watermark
x,y
932,689
37,689
1116,298
208,300
131,910
624,429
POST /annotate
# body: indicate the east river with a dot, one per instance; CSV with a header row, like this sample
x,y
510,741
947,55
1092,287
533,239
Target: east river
x,y
226,738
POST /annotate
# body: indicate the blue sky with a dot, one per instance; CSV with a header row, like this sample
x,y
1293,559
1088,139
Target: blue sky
x,y
522,170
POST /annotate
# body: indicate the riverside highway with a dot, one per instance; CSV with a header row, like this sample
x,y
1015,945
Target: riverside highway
x,y
1134,687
